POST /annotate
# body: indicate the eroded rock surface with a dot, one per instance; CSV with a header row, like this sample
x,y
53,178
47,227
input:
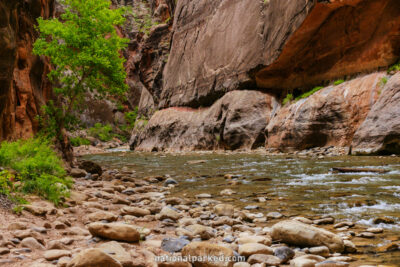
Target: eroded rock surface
x,y
236,121
330,116
380,132
228,45
23,83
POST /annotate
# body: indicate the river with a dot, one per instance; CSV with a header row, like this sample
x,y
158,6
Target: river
x,y
291,185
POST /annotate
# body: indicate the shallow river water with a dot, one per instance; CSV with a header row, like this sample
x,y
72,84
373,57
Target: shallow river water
x,y
294,186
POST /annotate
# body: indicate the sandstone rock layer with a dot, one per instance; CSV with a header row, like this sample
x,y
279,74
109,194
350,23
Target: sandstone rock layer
x,y
226,45
330,116
236,121
23,83
380,132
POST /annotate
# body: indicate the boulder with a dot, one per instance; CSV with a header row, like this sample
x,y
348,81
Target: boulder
x,y
77,173
284,254
93,257
32,243
135,211
330,116
266,260
102,215
266,240
117,252
17,226
173,245
36,210
236,121
91,167
204,232
115,231
380,131
224,210
249,249
168,213
205,249
306,261
293,232
55,254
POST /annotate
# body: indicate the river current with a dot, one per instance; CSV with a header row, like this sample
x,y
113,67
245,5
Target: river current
x,y
291,185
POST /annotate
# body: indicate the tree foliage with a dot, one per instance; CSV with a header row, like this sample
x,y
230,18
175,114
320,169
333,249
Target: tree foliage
x,y
84,49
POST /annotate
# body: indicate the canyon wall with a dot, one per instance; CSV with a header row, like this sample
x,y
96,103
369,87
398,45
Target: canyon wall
x,y
225,45
276,47
23,83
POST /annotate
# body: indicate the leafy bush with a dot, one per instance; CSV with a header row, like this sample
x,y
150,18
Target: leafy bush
x,y
102,132
79,141
338,82
287,99
131,117
395,67
39,170
307,94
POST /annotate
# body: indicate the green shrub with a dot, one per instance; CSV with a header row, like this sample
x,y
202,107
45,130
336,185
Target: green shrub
x,y
79,141
307,94
39,170
102,132
384,81
131,117
287,99
338,82
395,67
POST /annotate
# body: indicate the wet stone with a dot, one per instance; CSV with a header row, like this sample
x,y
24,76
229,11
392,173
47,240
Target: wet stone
x,y
274,215
383,220
284,253
173,245
170,181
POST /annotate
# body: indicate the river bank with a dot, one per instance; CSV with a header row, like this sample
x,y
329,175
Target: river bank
x,y
168,212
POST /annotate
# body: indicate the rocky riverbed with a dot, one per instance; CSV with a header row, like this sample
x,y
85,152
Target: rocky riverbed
x,y
118,217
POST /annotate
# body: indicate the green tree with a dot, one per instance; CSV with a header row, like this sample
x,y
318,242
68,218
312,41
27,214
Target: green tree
x,y
84,49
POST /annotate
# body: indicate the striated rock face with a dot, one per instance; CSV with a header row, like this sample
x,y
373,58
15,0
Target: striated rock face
x,y
336,38
380,132
329,117
236,121
23,82
225,45
148,52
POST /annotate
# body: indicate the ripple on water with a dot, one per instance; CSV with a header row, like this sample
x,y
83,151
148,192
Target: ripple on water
x,y
370,223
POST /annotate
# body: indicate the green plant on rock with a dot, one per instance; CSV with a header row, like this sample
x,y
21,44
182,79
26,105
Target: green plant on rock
x,y
79,141
394,67
38,170
383,81
287,99
309,93
84,50
144,22
131,116
338,82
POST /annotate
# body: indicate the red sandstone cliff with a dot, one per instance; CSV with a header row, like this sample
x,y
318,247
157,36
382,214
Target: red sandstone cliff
x,y
23,82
